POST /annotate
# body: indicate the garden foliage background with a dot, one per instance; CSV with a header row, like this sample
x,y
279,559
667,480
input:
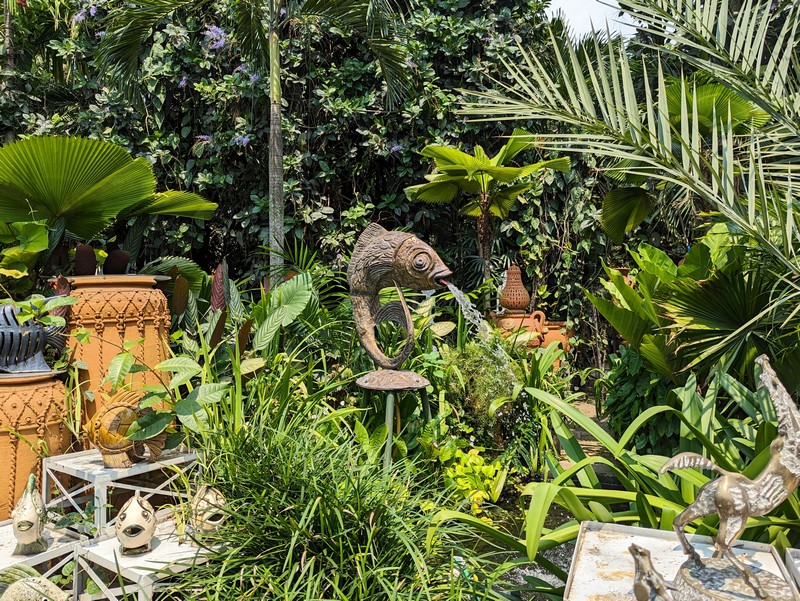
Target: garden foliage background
x,y
202,119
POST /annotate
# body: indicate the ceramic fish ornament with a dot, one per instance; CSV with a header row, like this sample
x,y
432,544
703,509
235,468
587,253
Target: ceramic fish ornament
x,y
108,428
207,506
383,259
648,584
135,526
207,510
22,346
27,521
735,497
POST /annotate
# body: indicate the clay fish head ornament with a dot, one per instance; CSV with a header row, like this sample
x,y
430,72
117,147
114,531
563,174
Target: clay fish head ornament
x,y
383,259
27,520
207,509
135,526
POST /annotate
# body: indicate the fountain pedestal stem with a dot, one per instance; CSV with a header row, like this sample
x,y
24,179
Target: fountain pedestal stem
x,y
392,381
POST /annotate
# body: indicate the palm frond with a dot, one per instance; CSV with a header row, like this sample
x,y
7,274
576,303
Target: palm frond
x,y
374,21
661,136
128,28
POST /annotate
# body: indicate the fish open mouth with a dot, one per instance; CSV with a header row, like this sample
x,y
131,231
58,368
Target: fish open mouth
x,y
442,277
24,525
132,530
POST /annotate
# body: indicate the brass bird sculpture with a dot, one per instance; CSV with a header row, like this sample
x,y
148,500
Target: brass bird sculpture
x,y
735,497
648,584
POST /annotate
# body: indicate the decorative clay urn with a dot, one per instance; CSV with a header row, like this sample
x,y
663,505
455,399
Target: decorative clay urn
x,y
31,404
514,298
115,309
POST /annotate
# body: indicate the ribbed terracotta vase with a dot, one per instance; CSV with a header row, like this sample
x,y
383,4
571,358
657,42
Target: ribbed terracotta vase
x,y
515,297
32,408
115,309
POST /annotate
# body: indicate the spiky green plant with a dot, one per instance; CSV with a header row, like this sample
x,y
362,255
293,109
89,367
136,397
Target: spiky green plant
x,y
745,174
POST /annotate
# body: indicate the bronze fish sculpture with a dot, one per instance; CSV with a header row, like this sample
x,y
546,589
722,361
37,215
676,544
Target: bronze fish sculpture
x,y
27,521
382,259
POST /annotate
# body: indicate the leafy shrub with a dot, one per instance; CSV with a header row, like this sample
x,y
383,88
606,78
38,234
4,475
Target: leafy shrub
x,y
630,388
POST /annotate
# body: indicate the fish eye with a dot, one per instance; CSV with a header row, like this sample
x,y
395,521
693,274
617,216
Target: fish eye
x,y
146,515
421,261
123,516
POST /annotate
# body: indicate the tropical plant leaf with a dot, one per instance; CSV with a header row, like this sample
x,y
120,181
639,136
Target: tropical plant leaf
x,y
623,210
149,425
175,203
435,192
185,267
84,182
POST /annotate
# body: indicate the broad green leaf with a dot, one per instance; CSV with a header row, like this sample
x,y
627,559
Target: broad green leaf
x,y
657,262
542,495
623,210
149,425
293,295
183,369
252,365
191,414
173,202
265,333
119,368
436,192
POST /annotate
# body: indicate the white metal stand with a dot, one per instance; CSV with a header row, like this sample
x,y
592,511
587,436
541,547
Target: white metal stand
x,y
138,576
96,479
61,546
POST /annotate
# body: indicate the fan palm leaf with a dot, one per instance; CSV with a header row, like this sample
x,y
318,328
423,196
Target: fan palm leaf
x,y
84,184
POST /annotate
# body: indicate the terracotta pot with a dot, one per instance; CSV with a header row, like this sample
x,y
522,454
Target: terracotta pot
x,y
514,297
32,406
115,309
556,331
529,322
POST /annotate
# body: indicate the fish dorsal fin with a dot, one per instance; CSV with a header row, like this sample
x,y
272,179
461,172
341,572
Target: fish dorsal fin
x,y
372,232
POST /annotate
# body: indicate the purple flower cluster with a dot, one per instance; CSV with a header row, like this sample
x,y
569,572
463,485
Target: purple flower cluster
x,y
254,77
80,16
183,82
396,148
216,37
240,140
203,138
241,69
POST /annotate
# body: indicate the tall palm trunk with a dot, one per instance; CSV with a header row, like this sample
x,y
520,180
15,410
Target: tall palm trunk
x,y
276,200
485,234
9,64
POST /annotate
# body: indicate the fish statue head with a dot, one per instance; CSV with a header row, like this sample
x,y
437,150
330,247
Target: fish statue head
x,y
27,521
135,526
207,509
